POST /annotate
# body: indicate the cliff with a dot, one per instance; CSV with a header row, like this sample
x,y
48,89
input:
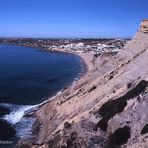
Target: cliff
x,y
107,108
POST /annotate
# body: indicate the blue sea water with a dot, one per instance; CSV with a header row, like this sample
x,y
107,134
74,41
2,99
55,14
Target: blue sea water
x,y
29,76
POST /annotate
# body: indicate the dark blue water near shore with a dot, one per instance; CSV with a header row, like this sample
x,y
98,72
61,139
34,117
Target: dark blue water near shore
x,y
29,76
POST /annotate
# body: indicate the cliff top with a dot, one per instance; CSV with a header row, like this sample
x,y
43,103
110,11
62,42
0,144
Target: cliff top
x,y
144,26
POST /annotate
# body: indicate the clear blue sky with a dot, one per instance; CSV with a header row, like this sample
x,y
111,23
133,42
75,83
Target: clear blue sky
x,y
71,18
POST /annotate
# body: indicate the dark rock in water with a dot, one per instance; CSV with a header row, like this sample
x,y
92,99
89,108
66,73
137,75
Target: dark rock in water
x,y
4,111
6,130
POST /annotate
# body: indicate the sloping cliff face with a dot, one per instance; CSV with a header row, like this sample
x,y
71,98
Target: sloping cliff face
x,y
105,109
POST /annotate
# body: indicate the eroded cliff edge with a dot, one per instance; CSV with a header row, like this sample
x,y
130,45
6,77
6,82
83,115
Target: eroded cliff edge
x,y
106,109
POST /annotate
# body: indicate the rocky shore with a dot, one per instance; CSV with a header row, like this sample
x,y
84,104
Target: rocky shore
x,y
106,108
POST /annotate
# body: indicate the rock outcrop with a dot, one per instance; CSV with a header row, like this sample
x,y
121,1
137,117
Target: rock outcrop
x,y
107,108
144,26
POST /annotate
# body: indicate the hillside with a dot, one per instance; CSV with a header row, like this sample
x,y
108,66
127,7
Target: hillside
x,y
107,108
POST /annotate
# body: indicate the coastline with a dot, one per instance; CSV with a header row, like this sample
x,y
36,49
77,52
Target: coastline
x,y
104,104
32,113
84,56
83,60
59,98
86,59
106,107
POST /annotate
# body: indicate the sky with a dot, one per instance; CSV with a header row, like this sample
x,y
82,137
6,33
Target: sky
x,y
71,18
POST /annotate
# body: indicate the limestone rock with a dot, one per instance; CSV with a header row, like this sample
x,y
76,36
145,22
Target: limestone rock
x,y
144,26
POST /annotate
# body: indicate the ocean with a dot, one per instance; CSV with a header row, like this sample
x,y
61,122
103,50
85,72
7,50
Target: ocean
x,y
29,76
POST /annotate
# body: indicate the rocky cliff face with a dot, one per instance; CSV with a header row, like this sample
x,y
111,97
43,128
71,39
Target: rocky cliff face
x,y
144,26
108,108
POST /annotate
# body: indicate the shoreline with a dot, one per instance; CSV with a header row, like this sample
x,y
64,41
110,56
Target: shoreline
x,y
81,55
85,59
107,107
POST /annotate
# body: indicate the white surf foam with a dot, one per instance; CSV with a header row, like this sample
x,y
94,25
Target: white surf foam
x,y
17,113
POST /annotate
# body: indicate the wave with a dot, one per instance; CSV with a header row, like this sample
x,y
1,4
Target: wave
x,y
17,112
17,116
